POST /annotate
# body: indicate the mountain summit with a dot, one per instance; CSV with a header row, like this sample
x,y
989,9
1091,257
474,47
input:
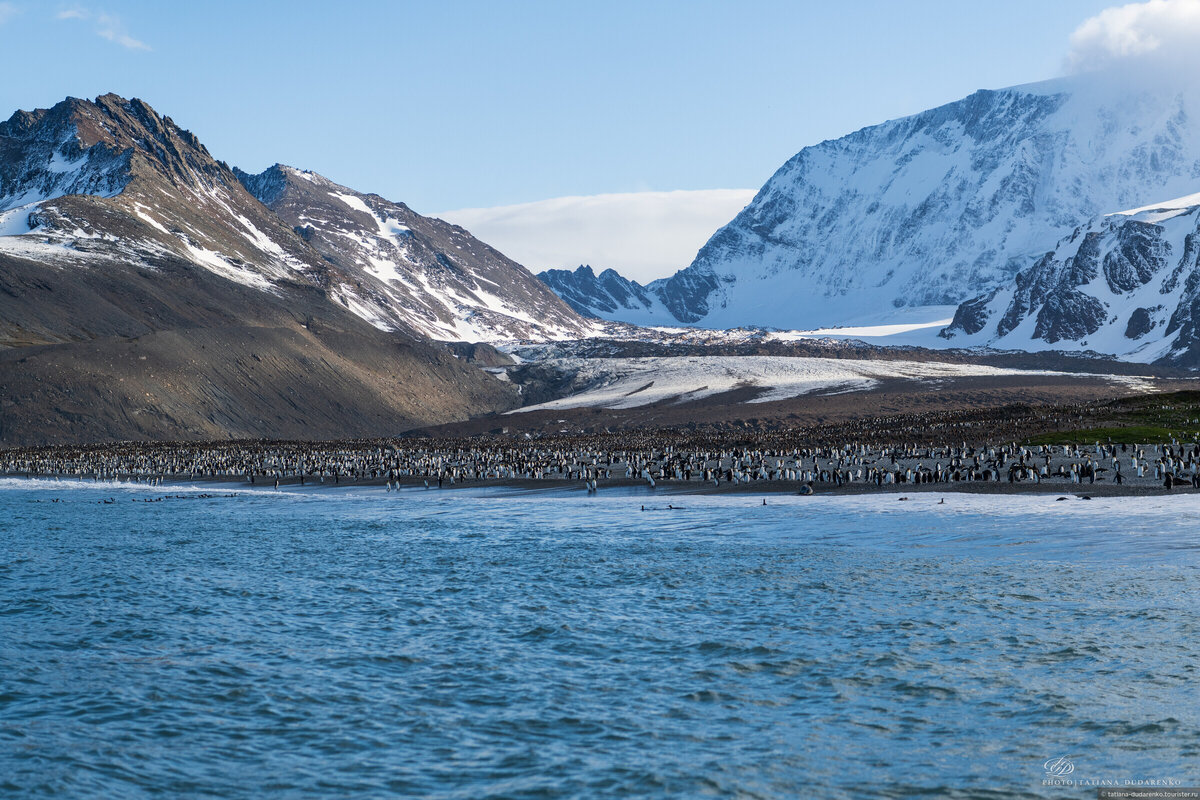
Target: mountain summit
x,y
116,172
110,177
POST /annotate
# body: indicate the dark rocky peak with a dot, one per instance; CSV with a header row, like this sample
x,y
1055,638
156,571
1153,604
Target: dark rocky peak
x,y
97,147
43,155
267,185
281,184
22,121
156,141
124,176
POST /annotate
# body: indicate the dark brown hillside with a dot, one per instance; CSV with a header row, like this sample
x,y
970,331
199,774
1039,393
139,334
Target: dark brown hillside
x,y
129,353
145,294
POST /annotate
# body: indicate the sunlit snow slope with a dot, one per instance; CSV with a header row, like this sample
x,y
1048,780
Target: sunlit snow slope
x,y
935,208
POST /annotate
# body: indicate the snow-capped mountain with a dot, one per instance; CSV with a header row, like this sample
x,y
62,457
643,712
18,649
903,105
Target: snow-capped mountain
x,y
932,209
146,294
1126,284
112,180
607,295
402,270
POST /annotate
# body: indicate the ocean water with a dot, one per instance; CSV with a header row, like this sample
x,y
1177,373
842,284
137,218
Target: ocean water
x,y
472,644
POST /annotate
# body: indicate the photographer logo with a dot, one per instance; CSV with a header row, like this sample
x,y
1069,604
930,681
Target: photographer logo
x,y
1059,767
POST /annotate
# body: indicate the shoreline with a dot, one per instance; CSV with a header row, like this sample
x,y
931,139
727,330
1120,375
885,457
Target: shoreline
x,y
630,487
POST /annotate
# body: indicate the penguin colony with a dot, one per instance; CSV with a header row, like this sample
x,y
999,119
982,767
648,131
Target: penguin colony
x,y
443,463
944,447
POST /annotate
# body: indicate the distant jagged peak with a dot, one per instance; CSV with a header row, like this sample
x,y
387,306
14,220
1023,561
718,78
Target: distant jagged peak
x,y
588,272
609,295
582,272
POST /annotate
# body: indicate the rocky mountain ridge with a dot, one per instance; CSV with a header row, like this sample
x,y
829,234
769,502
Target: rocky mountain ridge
x,y
410,271
113,179
607,296
1126,284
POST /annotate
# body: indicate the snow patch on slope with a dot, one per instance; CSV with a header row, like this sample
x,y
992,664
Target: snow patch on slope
x,y
217,263
15,221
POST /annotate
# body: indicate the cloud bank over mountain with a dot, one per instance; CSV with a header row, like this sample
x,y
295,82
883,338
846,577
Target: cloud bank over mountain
x,y
1158,33
643,235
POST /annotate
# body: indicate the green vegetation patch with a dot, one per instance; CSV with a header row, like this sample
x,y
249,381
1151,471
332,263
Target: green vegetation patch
x,y
1132,434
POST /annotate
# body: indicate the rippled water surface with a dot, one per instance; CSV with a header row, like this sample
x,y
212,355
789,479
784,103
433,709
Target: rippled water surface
x,y
465,644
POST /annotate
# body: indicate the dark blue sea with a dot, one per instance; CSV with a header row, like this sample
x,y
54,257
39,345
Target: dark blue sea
x,y
483,644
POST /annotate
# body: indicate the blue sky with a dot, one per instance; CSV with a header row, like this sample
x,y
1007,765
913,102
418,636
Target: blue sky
x,y
450,105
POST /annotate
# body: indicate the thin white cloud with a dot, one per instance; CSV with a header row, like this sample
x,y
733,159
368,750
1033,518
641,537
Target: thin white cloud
x,y
110,27
642,235
107,26
7,12
1162,32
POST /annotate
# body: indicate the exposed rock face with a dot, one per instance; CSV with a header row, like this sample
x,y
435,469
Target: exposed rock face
x,y
939,207
1138,253
401,270
64,150
971,316
1185,325
1035,285
687,294
1125,284
1069,314
1140,323
119,234
118,177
